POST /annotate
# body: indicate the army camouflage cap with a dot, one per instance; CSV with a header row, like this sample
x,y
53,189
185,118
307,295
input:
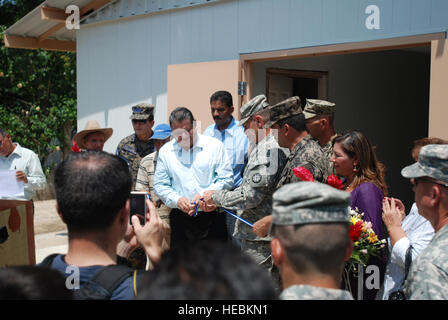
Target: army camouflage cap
x,y
432,162
284,109
314,108
252,107
142,111
309,202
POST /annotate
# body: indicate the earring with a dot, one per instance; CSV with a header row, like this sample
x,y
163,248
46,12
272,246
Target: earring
x,y
356,168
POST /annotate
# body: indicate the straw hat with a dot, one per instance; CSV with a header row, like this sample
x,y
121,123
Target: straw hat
x,y
91,126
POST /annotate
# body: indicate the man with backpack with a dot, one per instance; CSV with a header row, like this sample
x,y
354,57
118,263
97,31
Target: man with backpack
x,y
92,194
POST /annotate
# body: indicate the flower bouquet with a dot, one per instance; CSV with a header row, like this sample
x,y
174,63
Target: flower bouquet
x,y
365,241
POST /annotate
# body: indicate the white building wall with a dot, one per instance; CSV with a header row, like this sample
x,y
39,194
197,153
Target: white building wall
x,y
124,61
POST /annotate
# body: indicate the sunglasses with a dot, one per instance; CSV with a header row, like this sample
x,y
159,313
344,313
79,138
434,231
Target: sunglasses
x,y
416,181
139,121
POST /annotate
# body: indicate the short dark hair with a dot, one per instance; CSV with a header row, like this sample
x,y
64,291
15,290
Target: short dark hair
x,y
308,246
207,271
32,283
3,132
296,121
224,96
180,114
91,187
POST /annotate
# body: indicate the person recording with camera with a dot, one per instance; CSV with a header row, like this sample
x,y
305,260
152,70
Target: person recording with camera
x,y
92,197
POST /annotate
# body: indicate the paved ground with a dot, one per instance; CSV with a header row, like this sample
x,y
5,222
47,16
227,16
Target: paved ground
x,y
50,231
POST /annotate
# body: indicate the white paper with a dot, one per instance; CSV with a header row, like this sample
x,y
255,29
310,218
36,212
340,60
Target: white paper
x,y
9,186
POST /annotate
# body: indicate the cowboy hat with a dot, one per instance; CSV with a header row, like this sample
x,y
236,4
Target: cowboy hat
x,y
91,126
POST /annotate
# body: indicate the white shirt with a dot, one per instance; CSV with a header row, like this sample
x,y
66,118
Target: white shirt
x,y
180,173
236,144
23,159
419,233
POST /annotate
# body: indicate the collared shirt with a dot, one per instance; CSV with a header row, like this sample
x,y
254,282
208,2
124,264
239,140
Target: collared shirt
x,y
23,159
236,144
185,173
306,292
419,233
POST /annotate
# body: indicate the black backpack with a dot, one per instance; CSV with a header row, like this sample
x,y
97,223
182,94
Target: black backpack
x,y
102,284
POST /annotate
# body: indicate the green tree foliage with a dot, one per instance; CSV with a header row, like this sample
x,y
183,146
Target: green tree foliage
x,y
37,90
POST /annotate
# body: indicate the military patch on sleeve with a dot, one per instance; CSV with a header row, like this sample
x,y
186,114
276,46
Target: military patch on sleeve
x,y
256,178
130,149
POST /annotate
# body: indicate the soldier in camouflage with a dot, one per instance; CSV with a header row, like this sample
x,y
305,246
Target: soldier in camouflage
x,y
135,147
319,117
289,121
310,240
428,276
253,198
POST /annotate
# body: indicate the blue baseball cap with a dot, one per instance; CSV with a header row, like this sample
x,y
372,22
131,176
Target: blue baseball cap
x,y
161,132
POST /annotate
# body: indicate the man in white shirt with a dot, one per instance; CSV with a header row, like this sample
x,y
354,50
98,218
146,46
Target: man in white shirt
x,y
187,166
26,164
231,134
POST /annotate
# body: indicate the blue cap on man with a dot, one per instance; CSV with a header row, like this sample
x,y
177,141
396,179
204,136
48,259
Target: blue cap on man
x,y
161,132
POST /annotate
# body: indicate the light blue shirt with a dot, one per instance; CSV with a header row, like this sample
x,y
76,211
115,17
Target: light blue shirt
x,y
419,232
23,159
236,144
180,173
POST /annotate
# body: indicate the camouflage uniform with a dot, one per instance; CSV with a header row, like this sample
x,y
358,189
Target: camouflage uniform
x,y
304,292
306,153
428,276
131,149
305,203
253,198
314,108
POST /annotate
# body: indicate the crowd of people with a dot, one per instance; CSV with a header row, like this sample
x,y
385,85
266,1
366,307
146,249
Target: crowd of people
x,y
227,216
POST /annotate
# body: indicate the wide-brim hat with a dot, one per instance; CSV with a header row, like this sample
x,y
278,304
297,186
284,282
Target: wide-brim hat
x,y
90,127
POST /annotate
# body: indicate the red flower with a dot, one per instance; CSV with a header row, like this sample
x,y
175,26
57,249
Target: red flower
x,y
355,231
334,181
75,147
303,174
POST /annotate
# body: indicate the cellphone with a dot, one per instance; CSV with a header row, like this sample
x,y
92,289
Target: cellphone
x,y
138,205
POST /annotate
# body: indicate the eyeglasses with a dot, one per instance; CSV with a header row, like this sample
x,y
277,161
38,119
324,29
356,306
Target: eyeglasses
x,y
416,181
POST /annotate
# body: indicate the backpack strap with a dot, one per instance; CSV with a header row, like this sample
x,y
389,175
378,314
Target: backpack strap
x,y
110,277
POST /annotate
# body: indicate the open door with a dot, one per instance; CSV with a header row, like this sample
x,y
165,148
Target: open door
x,y
191,85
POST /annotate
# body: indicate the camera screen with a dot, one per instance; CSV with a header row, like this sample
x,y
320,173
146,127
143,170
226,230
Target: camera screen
x,y
138,205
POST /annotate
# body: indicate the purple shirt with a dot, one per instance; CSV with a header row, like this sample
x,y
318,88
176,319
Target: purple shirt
x,y
368,198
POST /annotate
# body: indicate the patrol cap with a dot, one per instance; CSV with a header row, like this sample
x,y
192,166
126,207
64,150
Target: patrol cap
x,y
161,132
308,202
252,107
314,108
284,109
432,162
142,111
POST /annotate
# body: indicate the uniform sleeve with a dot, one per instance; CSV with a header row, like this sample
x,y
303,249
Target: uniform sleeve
x,y
427,282
259,181
249,194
